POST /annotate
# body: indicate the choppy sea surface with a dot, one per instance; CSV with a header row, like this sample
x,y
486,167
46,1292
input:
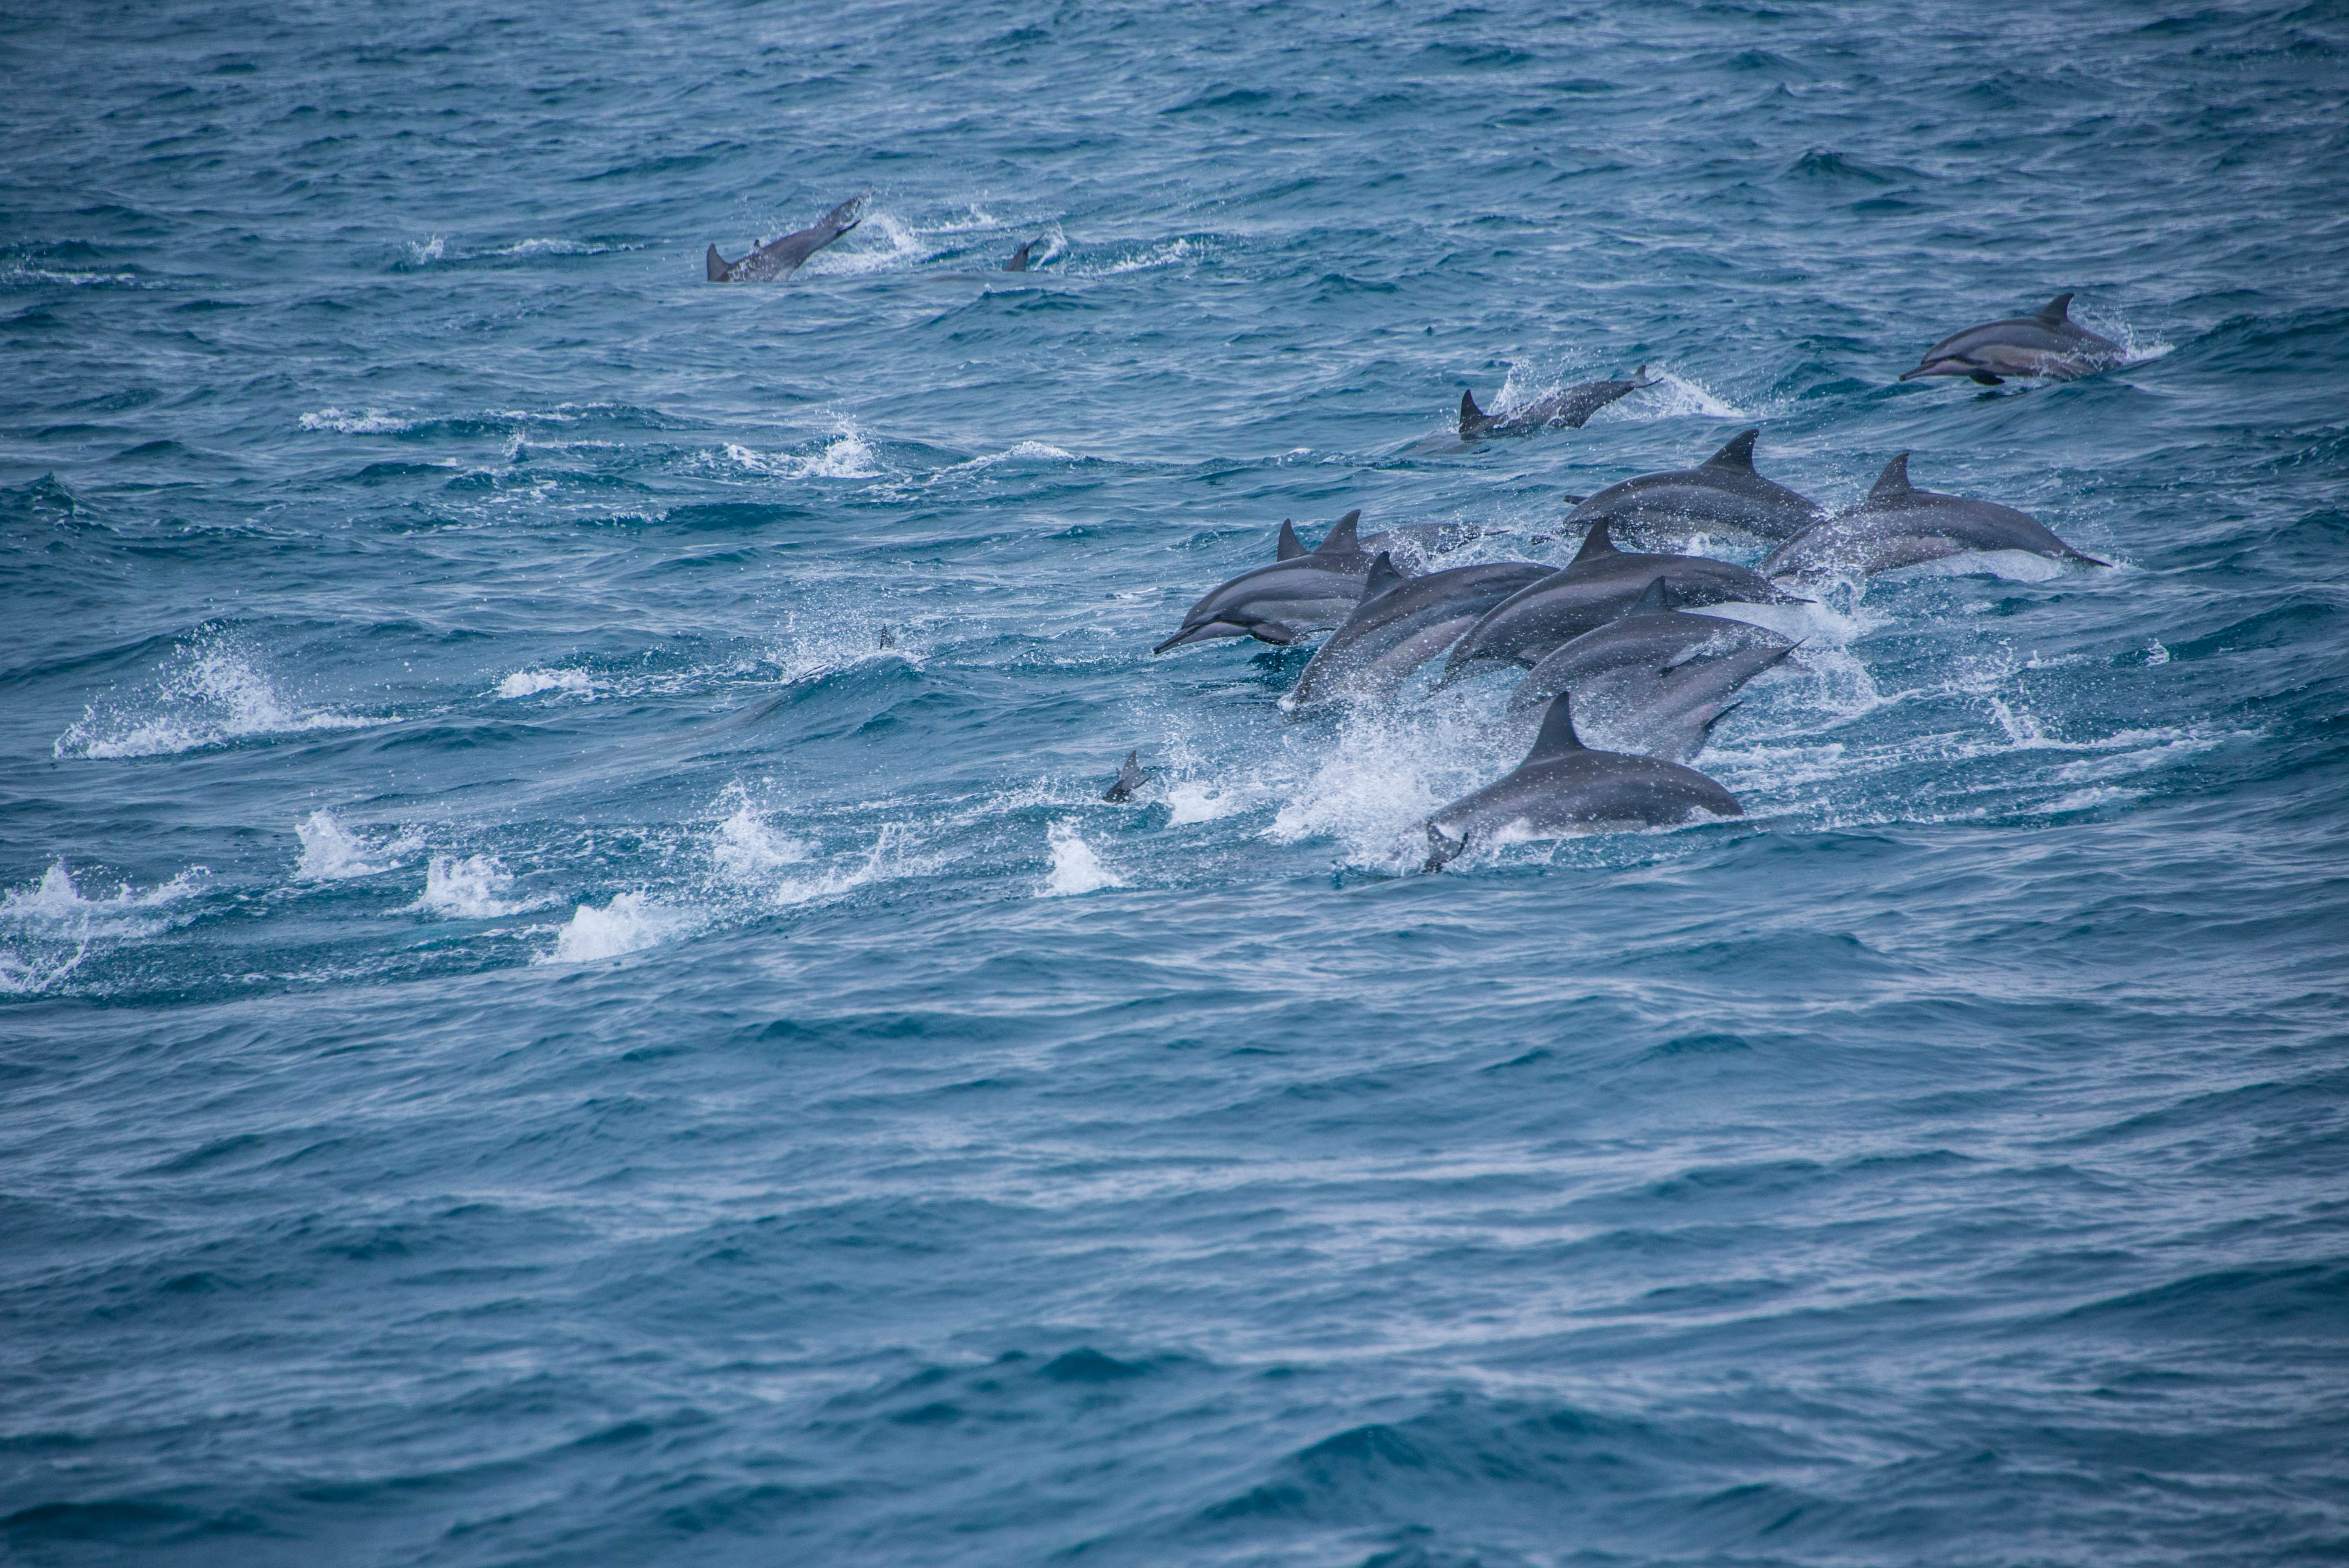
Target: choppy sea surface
x,y
528,1037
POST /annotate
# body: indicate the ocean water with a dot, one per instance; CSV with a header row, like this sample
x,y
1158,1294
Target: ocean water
x,y
528,1037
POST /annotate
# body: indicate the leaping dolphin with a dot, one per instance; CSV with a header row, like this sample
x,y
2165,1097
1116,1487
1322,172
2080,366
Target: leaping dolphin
x,y
781,258
1564,787
1304,591
2047,345
1130,778
1566,409
1617,662
1899,525
1019,262
1399,624
1723,493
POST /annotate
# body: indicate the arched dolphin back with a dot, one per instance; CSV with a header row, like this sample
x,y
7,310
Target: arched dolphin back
x,y
781,258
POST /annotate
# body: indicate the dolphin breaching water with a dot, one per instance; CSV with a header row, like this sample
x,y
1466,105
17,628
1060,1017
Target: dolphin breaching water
x,y
1899,525
1565,787
2048,345
1130,778
1399,624
781,258
1306,592
1566,409
1601,584
1019,262
1620,661
1721,493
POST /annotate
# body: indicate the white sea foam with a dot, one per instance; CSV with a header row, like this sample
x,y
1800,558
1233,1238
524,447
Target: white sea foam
x,y
360,422
901,248
331,853
209,694
847,456
2155,653
47,928
466,889
1076,869
1166,255
551,248
530,683
1192,800
745,848
629,923
1676,397
891,857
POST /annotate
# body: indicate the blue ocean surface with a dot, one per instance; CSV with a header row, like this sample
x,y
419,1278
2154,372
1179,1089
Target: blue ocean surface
x,y
528,1036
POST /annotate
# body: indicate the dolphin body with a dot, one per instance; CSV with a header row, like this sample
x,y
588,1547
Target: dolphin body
x,y
1301,592
1399,624
2047,345
1625,657
1130,778
1019,262
1566,409
781,258
1721,493
1899,525
1564,787
1602,584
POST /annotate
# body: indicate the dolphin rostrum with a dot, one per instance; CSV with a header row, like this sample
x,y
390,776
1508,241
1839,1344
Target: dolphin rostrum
x,y
1130,778
1399,624
1566,409
1601,584
1723,493
1652,642
1899,525
1564,787
781,258
1280,603
2048,344
1019,262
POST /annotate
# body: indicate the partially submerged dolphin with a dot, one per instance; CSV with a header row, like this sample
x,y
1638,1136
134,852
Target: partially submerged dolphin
x,y
1601,584
2048,345
1130,778
1566,409
781,258
1652,642
1399,624
1019,262
1564,787
1300,593
1899,525
1721,493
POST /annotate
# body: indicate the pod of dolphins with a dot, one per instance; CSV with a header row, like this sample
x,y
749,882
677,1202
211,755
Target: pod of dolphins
x,y
1608,641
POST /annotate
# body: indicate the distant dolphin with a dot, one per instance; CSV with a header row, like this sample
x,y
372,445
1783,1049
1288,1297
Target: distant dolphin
x,y
1898,525
1399,624
1601,584
1130,778
1564,787
1723,493
1566,409
1652,642
781,258
1019,262
2046,345
1280,603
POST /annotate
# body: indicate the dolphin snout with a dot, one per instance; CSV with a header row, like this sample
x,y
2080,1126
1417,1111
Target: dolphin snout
x,y
1204,632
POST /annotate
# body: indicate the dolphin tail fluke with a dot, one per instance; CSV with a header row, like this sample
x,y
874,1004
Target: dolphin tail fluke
x,y
717,265
1472,418
1442,852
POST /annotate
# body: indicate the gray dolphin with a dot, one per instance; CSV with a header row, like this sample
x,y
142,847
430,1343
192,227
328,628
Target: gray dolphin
x,y
1019,262
1399,624
1280,603
1667,713
1723,493
781,258
1566,409
1652,642
1564,787
1601,584
2046,345
1130,778
1899,525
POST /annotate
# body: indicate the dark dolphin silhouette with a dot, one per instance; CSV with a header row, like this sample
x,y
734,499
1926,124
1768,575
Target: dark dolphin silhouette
x,y
1279,603
1019,262
2047,345
1564,787
1130,778
1399,624
1723,493
1899,525
1566,409
781,258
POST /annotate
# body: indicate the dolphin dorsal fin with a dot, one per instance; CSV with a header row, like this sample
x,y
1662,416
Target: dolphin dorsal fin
x,y
1655,599
1290,546
1382,577
1595,543
1557,738
1738,454
717,265
1893,482
2056,311
1471,416
1340,539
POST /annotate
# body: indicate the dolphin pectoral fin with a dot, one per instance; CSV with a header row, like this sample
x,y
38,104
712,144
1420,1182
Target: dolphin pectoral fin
x,y
718,265
1277,633
2072,554
1985,378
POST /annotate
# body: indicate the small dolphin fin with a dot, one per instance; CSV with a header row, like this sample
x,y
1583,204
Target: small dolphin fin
x,y
1654,599
1893,482
1472,418
1985,378
1382,577
2056,311
1442,852
1340,539
1738,454
1639,378
1596,544
1290,546
1280,634
1557,738
1019,262
1570,501
717,264
886,640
